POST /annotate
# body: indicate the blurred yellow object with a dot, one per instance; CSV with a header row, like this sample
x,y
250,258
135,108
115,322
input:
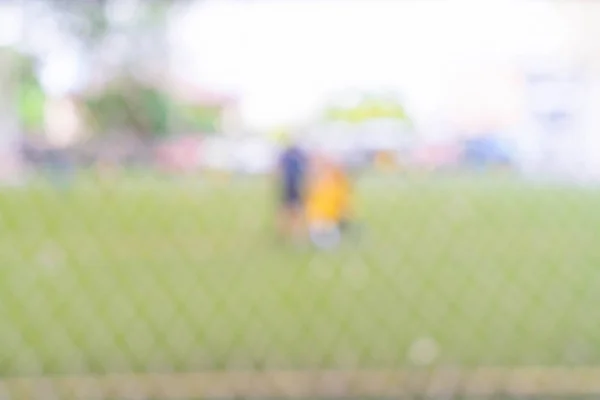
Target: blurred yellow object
x,y
328,197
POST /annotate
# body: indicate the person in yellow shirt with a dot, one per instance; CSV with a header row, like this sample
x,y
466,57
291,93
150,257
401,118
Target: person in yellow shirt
x,y
327,201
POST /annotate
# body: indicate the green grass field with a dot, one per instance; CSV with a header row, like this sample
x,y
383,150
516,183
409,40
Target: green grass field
x,y
159,276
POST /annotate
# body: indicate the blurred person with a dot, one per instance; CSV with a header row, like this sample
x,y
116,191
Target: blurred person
x,y
291,184
328,201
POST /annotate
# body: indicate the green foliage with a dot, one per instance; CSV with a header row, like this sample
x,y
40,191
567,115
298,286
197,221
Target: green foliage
x,y
30,97
198,118
31,101
127,105
155,107
134,107
106,111
130,106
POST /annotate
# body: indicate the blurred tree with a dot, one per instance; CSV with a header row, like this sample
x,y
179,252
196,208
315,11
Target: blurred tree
x,y
30,96
93,23
84,21
129,106
120,40
125,43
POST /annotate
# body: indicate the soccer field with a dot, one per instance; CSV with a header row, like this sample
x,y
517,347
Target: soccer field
x,y
150,276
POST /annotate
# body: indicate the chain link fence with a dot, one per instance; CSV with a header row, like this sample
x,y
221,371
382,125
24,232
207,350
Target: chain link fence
x,y
153,288
125,276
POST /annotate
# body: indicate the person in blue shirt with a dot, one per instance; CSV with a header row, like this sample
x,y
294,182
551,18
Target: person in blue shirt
x,y
291,173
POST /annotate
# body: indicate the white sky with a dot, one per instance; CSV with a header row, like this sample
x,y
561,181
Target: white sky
x,y
11,24
284,58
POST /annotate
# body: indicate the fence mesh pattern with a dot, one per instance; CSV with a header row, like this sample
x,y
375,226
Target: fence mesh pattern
x,y
149,288
125,283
